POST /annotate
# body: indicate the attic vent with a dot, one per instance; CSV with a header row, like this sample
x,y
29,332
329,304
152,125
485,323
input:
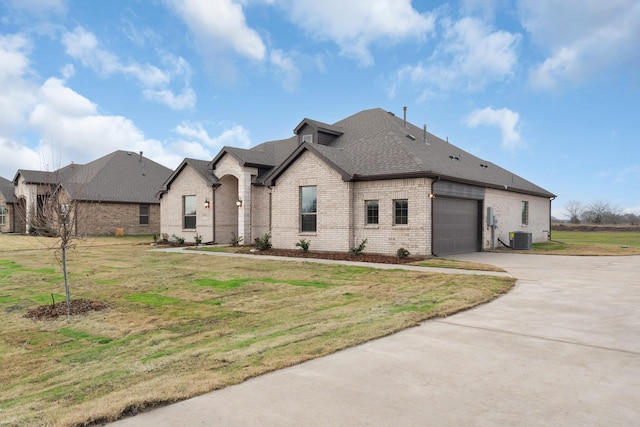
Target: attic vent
x,y
389,112
485,166
411,137
454,157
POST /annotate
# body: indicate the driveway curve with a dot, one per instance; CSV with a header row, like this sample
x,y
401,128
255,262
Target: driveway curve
x,y
562,348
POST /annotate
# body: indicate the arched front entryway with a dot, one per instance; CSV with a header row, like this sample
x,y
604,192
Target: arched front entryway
x,y
226,209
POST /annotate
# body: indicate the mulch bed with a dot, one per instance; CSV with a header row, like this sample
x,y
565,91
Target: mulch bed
x,y
53,311
339,256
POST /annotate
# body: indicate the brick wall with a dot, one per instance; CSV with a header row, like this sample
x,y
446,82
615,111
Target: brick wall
x,y
333,206
187,183
507,207
385,237
341,211
103,218
226,209
260,211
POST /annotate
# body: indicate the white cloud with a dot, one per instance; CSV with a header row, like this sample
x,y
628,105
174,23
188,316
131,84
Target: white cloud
x,y
504,119
220,25
236,136
355,25
156,83
16,88
286,68
68,125
583,38
470,56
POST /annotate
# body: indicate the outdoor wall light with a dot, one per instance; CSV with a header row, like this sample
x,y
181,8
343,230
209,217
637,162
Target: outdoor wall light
x,y
239,203
207,204
432,196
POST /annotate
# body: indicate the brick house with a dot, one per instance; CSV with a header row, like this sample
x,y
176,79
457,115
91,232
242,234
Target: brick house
x,y
10,217
370,176
114,191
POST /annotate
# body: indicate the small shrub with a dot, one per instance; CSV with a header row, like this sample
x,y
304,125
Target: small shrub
x,y
358,249
165,237
264,243
197,238
304,245
178,240
403,253
235,239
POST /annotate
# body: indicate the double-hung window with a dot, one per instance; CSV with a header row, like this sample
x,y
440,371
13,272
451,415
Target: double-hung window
x,y
3,215
189,212
401,212
372,212
525,213
144,215
308,209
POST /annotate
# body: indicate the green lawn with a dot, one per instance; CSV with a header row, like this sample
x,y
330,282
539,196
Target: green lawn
x,y
184,324
591,243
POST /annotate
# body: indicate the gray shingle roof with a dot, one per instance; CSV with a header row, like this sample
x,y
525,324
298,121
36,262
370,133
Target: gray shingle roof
x,y
200,166
376,144
122,176
7,190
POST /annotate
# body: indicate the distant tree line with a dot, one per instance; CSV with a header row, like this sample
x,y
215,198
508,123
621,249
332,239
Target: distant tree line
x,y
598,212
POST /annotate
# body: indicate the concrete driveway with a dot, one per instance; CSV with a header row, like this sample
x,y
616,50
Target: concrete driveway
x,y
562,349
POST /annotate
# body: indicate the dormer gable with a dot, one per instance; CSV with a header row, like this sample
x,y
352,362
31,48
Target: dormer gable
x,y
314,132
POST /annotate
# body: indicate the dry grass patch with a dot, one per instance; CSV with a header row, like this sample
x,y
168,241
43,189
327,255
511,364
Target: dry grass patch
x,y
180,325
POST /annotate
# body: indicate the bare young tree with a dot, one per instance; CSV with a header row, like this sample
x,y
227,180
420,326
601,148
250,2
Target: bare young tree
x,y
52,213
58,217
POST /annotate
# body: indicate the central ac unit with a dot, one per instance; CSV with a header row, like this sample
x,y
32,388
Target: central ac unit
x,y
521,240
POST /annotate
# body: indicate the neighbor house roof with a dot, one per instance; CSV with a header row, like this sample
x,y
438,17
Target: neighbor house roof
x,y
121,176
7,189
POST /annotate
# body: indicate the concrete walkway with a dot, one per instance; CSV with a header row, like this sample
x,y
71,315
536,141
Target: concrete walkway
x,y
562,349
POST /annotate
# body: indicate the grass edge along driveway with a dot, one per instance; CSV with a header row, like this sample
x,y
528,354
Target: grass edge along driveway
x,y
181,325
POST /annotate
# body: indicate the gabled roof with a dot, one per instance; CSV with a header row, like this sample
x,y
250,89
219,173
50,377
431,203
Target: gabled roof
x,y
264,156
201,167
121,176
323,127
375,144
7,189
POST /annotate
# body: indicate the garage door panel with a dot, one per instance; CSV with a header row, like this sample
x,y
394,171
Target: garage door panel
x,y
455,226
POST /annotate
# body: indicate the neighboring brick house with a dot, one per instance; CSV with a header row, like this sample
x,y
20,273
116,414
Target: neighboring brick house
x,y
370,176
112,192
10,217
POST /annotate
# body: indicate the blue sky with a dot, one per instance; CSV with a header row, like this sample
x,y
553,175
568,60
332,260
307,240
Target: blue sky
x,y
545,88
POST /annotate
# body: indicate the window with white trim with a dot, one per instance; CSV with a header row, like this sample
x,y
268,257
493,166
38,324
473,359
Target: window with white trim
x,y
401,212
189,212
308,209
372,212
525,213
